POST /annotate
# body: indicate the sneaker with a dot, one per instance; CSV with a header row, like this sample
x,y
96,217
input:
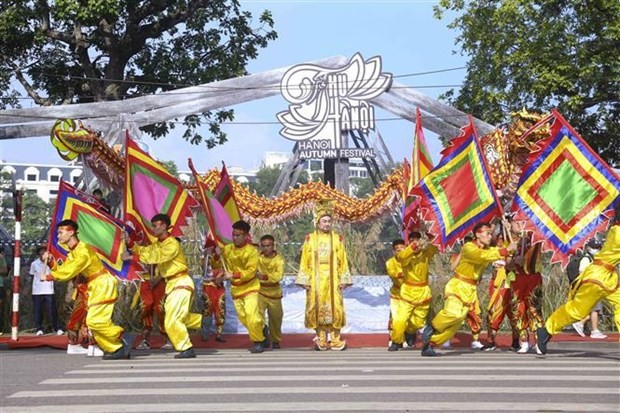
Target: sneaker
x,y
524,348
542,338
578,327
597,334
40,332
516,345
490,346
427,351
76,349
319,347
395,347
94,351
267,340
257,347
537,350
476,345
187,354
167,346
427,333
121,354
410,339
447,344
59,332
144,345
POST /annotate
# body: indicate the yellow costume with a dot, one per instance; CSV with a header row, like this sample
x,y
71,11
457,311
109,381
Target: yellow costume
x,y
171,266
460,291
415,293
101,294
598,281
270,293
395,272
242,262
324,271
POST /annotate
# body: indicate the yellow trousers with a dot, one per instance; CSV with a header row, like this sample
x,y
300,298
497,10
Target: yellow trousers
x,y
334,333
581,301
273,307
102,294
459,297
177,318
407,318
250,316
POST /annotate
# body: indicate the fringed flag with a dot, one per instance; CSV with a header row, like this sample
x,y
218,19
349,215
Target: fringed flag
x,y
225,194
96,228
458,193
149,190
566,193
421,165
218,218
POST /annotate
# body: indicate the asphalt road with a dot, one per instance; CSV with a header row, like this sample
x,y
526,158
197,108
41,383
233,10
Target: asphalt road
x,y
572,377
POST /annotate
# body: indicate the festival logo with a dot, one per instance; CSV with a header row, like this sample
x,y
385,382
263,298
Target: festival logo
x,y
326,102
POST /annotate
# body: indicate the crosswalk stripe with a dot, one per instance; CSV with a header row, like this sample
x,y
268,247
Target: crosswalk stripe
x,y
202,391
314,406
269,369
279,378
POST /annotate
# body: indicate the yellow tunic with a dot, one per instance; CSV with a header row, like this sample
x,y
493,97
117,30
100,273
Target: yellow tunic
x,y
270,294
324,270
101,293
395,272
598,281
171,265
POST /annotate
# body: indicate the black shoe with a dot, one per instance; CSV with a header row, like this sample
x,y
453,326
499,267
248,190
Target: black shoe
x,y
490,346
395,347
542,338
428,351
515,346
275,345
219,339
427,333
257,347
266,341
187,354
120,354
410,339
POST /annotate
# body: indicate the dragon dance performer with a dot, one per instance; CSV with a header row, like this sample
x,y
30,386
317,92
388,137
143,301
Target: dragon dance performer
x,y
101,289
324,273
270,273
395,271
152,293
415,293
239,261
461,290
214,300
168,255
598,281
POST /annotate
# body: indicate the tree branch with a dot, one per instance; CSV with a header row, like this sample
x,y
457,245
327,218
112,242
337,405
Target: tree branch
x,y
81,50
28,87
46,26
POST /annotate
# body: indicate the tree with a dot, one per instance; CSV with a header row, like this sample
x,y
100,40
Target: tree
x,y
266,179
36,216
75,51
540,55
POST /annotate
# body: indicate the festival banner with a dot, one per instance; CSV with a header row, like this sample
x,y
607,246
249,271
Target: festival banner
x,y
566,193
218,218
458,193
149,190
96,228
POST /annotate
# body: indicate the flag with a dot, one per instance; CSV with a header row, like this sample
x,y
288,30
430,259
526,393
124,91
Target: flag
x,y
566,192
218,218
149,190
458,192
225,194
421,165
96,228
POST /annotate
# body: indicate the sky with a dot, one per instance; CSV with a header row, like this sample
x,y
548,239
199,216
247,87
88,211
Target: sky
x,y
404,33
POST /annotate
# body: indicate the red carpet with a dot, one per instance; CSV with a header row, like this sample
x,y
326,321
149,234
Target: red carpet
x,y
241,341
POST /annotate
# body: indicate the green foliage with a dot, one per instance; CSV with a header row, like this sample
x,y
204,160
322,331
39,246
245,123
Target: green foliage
x,y
74,51
171,167
36,216
541,55
266,179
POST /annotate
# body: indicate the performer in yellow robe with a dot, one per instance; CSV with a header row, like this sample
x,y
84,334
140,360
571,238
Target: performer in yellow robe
x,y
395,271
460,291
270,273
168,255
101,289
598,281
415,293
324,272
240,264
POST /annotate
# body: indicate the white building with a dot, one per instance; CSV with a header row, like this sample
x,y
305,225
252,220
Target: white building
x,y
40,179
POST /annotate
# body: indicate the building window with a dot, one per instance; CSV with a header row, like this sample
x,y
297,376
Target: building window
x,y
54,178
363,174
75,179
53,192
31,177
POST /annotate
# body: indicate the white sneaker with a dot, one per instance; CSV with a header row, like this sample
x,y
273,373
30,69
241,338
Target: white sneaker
x,y
537,350
144,345
60,332
167,346
597,334
447,344
40,333
524,347
579,328
76,349
476,345
94,351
